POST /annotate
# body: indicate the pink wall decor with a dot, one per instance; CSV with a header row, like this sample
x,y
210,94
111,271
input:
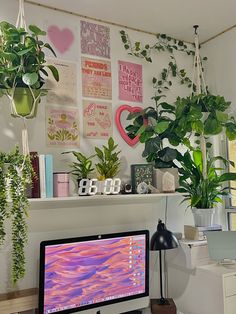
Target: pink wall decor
x,y
95,39
62,39
130,81
119,126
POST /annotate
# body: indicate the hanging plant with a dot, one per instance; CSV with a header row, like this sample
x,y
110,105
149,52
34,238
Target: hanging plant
x,y
23,67
164,43
15,176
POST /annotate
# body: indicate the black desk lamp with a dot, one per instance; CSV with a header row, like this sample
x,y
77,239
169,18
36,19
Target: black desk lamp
x,y
162,239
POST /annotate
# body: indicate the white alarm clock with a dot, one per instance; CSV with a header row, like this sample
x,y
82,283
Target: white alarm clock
x,y
93,186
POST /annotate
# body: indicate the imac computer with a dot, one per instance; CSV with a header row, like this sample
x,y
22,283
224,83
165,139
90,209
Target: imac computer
x,y
100,274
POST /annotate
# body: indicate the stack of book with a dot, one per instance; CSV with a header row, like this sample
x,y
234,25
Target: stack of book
x,y
199,233
42,185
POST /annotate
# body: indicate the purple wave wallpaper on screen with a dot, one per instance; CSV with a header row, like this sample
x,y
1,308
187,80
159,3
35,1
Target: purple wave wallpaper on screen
x,y
83,273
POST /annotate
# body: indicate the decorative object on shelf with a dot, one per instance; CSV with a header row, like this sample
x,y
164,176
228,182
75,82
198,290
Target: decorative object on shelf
x,y
203,115
126,188
158,179
16,173
130,140
142,188
109,160
60,184
94,186
141,173
161,240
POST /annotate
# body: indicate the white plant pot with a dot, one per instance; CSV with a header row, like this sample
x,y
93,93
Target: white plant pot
x,y
203,217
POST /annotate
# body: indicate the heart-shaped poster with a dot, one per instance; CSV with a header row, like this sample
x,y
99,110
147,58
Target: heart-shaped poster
x,y
119,126
62,39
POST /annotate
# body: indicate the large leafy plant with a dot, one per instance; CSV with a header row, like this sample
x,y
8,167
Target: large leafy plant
x,y
15,176
22,57
154,125
203,191
109,161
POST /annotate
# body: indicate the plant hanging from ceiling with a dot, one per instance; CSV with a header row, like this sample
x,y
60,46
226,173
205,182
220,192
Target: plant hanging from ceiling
x,y
15,176
164,43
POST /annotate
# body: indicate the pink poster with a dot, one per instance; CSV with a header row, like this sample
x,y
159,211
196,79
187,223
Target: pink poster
x,y
62,126
96,78
130,82
95,39
97,119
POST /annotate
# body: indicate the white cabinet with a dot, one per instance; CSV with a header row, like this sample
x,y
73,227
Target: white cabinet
x,y
207,289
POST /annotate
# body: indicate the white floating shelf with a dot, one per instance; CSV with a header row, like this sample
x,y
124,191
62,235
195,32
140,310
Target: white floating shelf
x,y
82,201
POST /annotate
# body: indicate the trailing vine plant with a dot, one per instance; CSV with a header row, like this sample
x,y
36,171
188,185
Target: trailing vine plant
x,y
15,176
164,43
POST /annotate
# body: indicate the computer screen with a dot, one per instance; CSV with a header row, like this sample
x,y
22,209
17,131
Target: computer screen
x,y
221,245
88,272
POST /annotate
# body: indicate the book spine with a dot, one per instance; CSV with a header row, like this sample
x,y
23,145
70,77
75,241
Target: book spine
x,y
49,175
35,189
42,176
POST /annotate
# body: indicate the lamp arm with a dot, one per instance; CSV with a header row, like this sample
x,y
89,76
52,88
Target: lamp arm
x,y
162,300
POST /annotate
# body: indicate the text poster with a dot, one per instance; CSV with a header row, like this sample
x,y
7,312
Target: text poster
x,y
62,126
95,39
96,78
97,119
130,82
63,92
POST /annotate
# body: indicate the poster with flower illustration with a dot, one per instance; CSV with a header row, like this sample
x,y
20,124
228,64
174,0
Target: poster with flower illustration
x,y
97,119
95,39
130,81
96,78
62,126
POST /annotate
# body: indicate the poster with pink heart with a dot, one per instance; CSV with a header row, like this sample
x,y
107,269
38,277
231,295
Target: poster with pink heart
x,y
96,78
64,40
130,81
95,39
97,119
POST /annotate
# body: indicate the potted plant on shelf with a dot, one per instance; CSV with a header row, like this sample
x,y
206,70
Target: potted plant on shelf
x,y
15,176
155,134
83,167
23,67
108,165
203,192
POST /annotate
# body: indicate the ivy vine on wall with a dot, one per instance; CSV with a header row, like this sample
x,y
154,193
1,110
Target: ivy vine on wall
x,y
164,43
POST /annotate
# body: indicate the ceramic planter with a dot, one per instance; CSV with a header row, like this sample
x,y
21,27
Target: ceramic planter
x,y
203,217
23,101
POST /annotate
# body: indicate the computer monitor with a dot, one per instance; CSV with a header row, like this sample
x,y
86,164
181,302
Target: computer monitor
x,y
94,273
221,245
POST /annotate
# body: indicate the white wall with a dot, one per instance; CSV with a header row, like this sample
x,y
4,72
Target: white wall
x,y
64,222
221,78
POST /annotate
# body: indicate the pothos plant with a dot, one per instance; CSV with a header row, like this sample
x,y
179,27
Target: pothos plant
x,y
154,125
164,43
15,176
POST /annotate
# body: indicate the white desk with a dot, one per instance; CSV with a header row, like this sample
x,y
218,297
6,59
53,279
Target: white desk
x,y
203,289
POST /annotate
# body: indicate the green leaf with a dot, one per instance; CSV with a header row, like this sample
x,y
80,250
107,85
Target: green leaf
x,y
222,116
141,130
46,45
212,126
161,127
54,72
30,78
36,30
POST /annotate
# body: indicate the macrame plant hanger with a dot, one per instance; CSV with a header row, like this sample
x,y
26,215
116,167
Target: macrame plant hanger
x,y
21,23
199,82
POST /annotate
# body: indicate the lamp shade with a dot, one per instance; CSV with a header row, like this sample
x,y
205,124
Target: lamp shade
x,y
163,239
